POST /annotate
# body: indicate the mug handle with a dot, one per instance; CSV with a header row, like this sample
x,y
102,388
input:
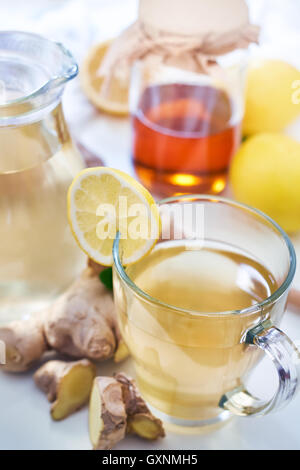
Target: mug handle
x,y
286,358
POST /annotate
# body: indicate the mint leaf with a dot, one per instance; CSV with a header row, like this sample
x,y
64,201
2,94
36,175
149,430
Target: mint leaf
x,y
106,277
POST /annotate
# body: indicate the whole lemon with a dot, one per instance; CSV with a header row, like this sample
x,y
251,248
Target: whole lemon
x,y
265,174
272,96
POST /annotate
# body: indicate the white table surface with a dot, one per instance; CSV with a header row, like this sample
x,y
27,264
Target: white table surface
x,y
25,421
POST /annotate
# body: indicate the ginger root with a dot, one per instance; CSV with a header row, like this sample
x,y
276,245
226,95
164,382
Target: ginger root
x,y
122,352
67,385
81,323
140,420
117,408
25,343
107,414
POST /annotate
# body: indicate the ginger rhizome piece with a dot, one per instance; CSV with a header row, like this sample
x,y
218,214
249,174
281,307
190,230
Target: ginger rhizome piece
x,y
140,420
122,351
81,323
24,342
107,413
117,408
67,385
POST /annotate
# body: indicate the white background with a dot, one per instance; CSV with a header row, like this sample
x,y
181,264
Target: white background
x,y
24,412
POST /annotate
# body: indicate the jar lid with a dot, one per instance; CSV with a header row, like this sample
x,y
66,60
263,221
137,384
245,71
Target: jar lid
x,y
187,34
194,17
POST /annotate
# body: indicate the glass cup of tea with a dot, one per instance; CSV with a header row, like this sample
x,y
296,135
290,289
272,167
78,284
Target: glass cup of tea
x,y
186,125
200,311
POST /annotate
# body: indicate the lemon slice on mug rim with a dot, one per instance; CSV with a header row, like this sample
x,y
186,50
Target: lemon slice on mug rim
x,y
103,201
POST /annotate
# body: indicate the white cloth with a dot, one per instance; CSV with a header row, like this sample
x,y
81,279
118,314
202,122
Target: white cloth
x,y
197,53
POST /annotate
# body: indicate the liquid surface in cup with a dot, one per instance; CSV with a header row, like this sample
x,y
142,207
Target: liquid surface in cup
x,y
39,257
184,138
185,362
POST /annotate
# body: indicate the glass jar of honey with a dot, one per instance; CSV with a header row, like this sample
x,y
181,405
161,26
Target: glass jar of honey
x,y
187,93
186,126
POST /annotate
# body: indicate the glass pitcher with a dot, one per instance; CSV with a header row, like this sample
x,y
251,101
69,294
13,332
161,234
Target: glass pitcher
x,y
38,256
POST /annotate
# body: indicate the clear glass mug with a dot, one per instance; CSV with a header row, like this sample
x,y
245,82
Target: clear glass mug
x,y
191,366
186,126
38,255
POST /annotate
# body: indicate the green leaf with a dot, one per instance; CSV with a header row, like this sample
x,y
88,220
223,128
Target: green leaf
x,y
106,277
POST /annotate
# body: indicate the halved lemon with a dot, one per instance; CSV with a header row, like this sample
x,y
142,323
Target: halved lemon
x,y
103,201
116,99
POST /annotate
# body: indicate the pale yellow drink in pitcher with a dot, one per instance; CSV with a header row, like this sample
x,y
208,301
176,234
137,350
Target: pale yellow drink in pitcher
x,y
39,257
38,161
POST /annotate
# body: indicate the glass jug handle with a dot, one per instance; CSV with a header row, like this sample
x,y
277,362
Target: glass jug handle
x,y
286,358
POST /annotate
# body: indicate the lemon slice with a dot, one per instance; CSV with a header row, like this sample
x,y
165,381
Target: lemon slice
x,y
117,100
103,201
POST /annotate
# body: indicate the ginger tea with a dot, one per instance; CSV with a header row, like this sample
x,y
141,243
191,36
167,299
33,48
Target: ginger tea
x,y
184,137
186,361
